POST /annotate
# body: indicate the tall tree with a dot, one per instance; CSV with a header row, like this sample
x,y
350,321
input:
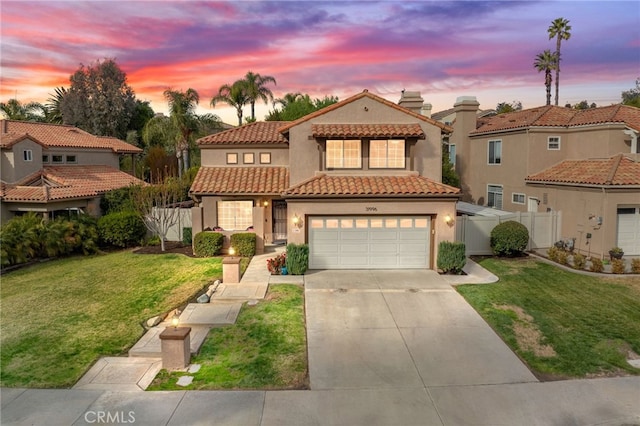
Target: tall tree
x,y
53,104
299,106
234,95
632,96
504,107
546,61
13,109
256,89
182,107
99,100
559,29
287,99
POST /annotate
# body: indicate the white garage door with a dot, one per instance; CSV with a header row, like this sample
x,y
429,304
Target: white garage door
x,y
369,242
629,230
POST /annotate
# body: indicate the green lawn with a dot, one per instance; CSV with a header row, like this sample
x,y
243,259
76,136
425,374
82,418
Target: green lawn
x,y
561,323
265,349
58,318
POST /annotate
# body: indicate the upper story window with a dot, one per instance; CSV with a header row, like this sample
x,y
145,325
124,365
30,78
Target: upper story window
x,y
57,159
553,143
265,158
495,152
344,154
72,159
386,154
248,158
27,155
45,158
232,158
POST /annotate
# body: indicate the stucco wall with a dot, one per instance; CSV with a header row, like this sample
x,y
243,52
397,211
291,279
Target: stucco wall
x,y
14,167
437,209
218,156
84,157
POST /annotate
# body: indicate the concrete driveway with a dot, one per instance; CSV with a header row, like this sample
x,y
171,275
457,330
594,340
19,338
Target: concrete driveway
x,y
400,330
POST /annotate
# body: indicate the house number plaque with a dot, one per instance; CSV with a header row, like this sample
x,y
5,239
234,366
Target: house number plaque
x,y
371,209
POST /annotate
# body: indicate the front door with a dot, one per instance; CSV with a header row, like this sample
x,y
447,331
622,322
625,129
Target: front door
x,y
533,205
279,221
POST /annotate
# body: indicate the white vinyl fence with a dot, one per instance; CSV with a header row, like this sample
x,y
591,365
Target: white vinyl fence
x,y
475,231
183,221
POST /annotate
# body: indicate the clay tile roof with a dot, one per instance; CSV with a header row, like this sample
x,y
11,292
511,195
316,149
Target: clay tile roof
x,y
618,170
260,132
54,183
7,140
62,136
331,186
364,94
554,116
367,130
240,180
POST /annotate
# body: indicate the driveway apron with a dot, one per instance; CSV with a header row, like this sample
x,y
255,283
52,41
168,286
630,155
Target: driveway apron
x,y
399,329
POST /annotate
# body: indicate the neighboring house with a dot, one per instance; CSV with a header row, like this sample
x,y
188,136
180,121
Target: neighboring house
x,y
503,162
49,168
359,181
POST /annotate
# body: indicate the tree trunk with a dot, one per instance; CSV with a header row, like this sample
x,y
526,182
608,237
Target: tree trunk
x,y
253,110
161,243
557,68
547,83
185,158
179,157
239,117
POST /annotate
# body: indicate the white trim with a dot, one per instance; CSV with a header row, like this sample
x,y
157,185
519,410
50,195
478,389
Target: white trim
x,y
524,198
499,157
501,196
549,143
27,155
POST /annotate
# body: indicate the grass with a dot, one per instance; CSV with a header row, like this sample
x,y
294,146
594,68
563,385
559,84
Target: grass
x,y
265,349
59,317
587,324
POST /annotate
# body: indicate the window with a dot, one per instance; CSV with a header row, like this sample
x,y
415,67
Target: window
x,y
45,158
56,159
517,198
495,152
72,159
248,158
27,155
386,154
452,154
235,215
232,158
265,158
553,143
344,154
494,196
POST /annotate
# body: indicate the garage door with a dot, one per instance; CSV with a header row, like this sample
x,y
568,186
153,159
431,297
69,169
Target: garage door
x,y
629,230
366,242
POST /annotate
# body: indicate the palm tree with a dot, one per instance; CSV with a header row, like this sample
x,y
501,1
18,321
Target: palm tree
x,y
53,105
182,107
13,109
255,88
559,29
234,95
546,61
288,99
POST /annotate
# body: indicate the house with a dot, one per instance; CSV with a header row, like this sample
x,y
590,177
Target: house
x,y
359,181
50,168
516,162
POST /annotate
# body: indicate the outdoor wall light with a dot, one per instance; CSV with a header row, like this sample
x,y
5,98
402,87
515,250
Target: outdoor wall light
x,y
297,221
449,220
265,203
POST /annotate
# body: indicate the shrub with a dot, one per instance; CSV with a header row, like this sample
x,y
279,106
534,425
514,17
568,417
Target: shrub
x,y
244,243
509,238
596,265
187,236
86,231
121,229
19,239
579,261
562,257
297,258
553,253
451,257
618,266
275,264
117,200
207,244
635,266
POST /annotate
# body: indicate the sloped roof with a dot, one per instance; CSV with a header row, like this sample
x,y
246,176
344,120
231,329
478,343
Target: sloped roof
x,y
615,171
55,183
367,130
333,185
364,94
555,116
240,180
59,136
260,132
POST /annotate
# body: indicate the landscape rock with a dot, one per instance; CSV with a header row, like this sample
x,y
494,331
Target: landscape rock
x,y
203,298
152,322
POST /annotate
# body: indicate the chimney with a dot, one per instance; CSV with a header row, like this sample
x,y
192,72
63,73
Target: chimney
x,y
466,108
426,110
412,101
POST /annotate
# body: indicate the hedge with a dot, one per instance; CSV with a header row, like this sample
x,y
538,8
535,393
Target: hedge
x,y
451,257
207,244
244,243
187,236
122,229
297,258
509,238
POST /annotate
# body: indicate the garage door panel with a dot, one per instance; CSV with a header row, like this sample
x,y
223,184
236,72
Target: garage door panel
x,y
629,230
369,242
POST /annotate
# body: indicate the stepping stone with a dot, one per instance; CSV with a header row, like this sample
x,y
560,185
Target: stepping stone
x,y
209,314
194,368
185,380
150,346
247,291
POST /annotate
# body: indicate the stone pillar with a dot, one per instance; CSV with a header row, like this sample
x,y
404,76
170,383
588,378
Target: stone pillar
x,y
231,270
176,347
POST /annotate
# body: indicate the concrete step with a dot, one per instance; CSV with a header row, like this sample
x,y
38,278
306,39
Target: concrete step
x,y
240,292
210,314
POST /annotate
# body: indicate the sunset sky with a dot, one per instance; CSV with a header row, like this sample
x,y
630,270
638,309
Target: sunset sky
x,y
444,49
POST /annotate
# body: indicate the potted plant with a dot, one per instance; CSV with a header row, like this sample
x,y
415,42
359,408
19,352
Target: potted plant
x,y
275,265
616,253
